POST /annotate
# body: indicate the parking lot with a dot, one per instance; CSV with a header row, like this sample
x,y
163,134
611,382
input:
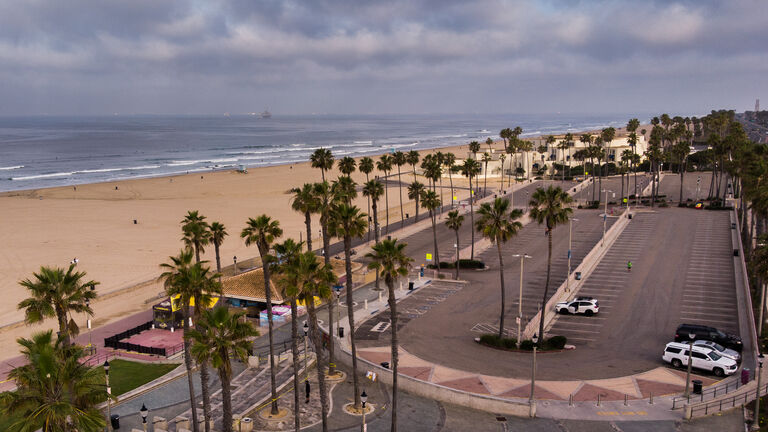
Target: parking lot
x,y
695,186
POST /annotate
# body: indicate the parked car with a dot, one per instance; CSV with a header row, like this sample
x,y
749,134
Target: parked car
x,y
684,332
586,305
676,353
723,351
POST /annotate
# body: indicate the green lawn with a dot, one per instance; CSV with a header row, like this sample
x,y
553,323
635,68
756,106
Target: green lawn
x,y
126,375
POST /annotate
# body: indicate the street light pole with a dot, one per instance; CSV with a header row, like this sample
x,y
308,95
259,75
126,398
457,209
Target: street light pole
x,y
520,299
234,259
687,394
535,340
756,421
144,412
605,215
109,394
363,399
570,242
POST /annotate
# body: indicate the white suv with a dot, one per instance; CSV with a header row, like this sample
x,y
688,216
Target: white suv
x,y
676,353
586,305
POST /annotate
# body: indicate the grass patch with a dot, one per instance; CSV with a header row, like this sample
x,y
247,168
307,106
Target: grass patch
x,y
125,375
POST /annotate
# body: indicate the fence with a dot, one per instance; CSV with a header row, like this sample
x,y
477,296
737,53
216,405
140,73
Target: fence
x,y
98,359
114,342
733,384
731,402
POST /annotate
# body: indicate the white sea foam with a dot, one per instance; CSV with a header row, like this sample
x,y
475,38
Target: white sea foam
x,y
8,168
41,176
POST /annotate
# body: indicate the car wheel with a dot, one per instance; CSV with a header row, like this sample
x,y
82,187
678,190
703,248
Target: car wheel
x,y
589,312
677,363
718,372
563,311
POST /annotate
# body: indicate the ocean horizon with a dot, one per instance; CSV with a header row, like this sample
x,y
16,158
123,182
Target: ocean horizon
x,y
50,151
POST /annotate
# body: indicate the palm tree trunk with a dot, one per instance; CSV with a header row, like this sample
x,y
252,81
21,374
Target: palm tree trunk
x,y
205,379
226,399
434,237
600,179
441,194
322,174
351,316
485,179
622,188
369,210
472,219
400,190
296,366
682,172
413,167
272,371
393,326
653,184
594,184
417,208
308,224
458,258
61,316
376,234
386,201
188,364
218,258
503,291
635,165
450,178
318,345
546,285
327,258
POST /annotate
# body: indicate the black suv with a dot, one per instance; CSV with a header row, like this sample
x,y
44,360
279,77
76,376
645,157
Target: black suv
x,y
707,333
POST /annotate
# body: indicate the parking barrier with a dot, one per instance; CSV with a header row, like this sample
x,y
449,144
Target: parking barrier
x,y
626,400
650,400
598,399
570,399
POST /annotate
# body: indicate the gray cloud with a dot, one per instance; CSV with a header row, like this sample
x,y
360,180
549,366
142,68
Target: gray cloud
x,y
194,56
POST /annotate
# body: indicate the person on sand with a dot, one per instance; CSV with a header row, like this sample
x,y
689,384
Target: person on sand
x,y
629,266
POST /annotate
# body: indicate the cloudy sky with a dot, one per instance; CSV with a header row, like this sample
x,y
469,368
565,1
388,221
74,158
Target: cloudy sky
x,y
396,56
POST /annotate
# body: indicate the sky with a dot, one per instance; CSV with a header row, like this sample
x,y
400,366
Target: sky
x,y
79,57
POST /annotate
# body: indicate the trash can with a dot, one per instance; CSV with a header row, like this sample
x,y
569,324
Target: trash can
x,y
341,332
578,275
744,375
385,365
735,252
114,419
629,215
733,225
410,286
697,384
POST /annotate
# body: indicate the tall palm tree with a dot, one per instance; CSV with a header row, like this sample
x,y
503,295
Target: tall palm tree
x,y
570,142
607,135
438,173
498,223
385,165
218,232
502,158
347,165
550,207
449,160
56,293
454,222
431,202
626,159
399,159
469,169
373,189
326,195
347,222
415,190
305,201
196,232
563,146
310,279
55,390
526,147
344,189
550,141
219,336
486,158
366,167
632,141
263,231
412,158
389,258
323,159
474,147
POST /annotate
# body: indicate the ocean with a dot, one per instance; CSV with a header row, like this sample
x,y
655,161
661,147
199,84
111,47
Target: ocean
x,y
42,151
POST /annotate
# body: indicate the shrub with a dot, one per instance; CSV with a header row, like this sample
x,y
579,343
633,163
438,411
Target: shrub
x,y
526,345
593,204
663,204
490,339
510,343
463,263
557,342
580,206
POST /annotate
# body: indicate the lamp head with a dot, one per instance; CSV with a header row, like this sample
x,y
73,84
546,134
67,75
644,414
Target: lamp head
x,y
144,413
760,359
535,339
306,328
692,336
106,367
363,397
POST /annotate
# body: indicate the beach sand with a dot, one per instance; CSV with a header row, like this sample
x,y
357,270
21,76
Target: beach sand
x,y
95,224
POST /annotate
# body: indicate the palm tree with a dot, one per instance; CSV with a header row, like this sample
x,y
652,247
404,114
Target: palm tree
x,y
218,232
196,232
449,160
454,222
626,158
218,336
366,167
389,258
549,206
598,153
469,169
288,251
412,158
55,293
323,159
385,165
526,147
502,158
55,390
399,159
486,158
632,141
373,189
307,279
563,146
569,141
474,147
344,189
550,141
607,135
415,190
499,224
305,201
431,202
347,165
263,231
438,173
348,222
326,195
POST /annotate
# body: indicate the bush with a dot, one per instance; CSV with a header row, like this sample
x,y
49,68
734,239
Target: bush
x,y
526,345
593,204
557,342
663,204
463,264
580,206
495,341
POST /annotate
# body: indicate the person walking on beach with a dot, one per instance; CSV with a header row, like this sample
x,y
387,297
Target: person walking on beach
x,y
629,266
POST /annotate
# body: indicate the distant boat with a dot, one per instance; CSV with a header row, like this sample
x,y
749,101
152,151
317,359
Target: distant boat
x,y
266,114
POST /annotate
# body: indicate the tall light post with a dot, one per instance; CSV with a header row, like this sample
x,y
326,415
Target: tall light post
x,y
144,413
338,288
234,259
605,214
756,421
306,334
691,336
570,243
535,340
109,394
364,399
520,298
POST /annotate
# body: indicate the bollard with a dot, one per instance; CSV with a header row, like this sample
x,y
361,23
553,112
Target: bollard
x,y
181,422
598,399
379,295
626,400
366,304
570,399
401,286
159,423
651,399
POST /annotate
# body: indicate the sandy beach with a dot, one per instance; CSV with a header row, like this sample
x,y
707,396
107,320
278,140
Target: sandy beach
x,y
95,224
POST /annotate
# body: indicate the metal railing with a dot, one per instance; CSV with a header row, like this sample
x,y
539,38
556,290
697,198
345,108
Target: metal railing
x,y
114,342
727,403
732,385
98,359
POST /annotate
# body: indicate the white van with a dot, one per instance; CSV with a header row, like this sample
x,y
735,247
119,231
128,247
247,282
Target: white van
x,y
676,353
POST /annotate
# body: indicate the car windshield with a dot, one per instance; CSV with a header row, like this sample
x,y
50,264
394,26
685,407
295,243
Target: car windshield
x,y
721,334
718,347
714,356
